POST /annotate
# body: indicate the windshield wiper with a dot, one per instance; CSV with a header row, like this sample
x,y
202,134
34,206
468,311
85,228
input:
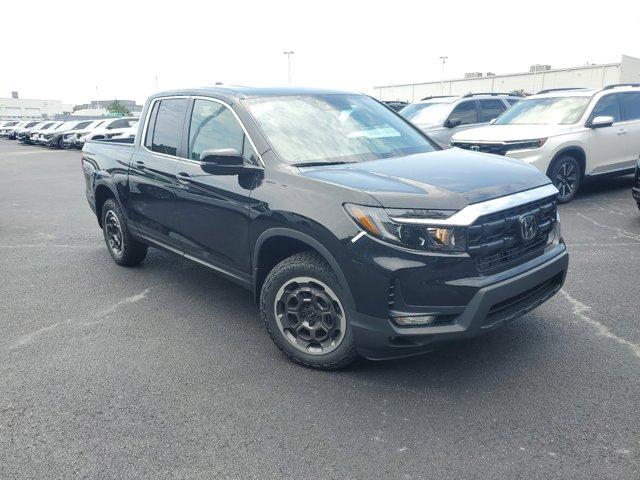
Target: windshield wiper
x,y
318,164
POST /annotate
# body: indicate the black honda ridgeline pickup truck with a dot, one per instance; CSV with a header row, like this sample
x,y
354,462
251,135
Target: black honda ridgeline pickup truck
x,y
357,234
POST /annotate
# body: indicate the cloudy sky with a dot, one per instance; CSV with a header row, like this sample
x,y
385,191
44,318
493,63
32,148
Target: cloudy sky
x,y
69,50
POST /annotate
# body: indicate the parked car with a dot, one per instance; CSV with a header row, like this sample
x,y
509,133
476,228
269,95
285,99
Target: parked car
x,y
567,134
75,138
129,133
37,136
22,127
110,128
441,117
53,138
396,105
636,184
8,126
355,232
25,134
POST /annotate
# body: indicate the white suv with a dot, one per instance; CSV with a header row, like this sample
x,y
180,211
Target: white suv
x,y
111,128
567,134
442,117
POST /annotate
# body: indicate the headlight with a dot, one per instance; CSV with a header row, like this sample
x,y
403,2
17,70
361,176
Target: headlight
x,y
401,231
525,144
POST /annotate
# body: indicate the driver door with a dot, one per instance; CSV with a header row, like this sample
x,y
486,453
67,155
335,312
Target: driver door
x,y
606,147
213,209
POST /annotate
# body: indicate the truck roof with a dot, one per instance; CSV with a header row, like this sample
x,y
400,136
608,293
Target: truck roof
x,y
241,92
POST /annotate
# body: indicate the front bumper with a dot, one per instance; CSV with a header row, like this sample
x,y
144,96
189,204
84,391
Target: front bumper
x,y
72,142
496,301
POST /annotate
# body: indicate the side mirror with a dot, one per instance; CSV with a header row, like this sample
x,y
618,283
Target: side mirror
x,y
224,161
601,121
452,122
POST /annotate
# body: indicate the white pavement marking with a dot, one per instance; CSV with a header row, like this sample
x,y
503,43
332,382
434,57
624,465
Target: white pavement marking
x,y
101,315
602,244
581,311
621,232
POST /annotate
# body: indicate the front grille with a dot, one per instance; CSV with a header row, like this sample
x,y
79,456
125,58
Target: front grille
x,y
495,148
495,242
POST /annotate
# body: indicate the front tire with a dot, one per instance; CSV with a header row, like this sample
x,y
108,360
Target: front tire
x,y
566,175
302,307
123,248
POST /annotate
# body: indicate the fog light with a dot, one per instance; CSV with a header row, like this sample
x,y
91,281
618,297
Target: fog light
x,y
414,320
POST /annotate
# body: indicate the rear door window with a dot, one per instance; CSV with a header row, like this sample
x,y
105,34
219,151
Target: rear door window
x,y
631,105
491,109
169,118
465,112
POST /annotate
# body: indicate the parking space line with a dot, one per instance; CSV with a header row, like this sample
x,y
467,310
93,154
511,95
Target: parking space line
x,y
621,232
581,311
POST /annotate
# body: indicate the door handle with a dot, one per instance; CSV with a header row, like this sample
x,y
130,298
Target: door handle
x,y
183,177
140,164
622,131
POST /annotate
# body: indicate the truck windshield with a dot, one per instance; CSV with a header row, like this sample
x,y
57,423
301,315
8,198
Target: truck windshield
x,y
545,111
426,113
334,128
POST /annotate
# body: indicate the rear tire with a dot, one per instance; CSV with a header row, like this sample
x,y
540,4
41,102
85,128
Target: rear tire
x,y
302,307
566,174
123,248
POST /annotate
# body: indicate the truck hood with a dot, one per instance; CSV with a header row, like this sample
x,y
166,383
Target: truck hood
x,y
508,133
444,179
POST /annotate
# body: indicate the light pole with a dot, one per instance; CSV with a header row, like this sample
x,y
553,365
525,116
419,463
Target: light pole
x,y
443,60
288,53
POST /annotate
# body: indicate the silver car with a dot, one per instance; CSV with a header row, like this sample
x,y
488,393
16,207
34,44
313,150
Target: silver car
x,y
441,117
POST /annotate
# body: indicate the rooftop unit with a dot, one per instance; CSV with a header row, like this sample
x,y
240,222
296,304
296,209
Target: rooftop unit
x,y
539,68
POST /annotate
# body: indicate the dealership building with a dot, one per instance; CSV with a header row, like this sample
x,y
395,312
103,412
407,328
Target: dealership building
x,y
23,108
539,77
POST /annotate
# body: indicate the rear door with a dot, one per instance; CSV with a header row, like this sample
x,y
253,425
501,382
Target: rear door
x,y
490,109
213,209
631,126
152,198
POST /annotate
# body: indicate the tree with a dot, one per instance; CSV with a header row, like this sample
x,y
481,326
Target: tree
x,y
117,108
520,92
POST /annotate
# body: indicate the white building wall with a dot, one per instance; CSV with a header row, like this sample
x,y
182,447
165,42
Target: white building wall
x,y
31,108
630,70
588,76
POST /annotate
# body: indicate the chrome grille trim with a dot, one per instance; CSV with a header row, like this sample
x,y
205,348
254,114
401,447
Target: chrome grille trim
x,y
469,214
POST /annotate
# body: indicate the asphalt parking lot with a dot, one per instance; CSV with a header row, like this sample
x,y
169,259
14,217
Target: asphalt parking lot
x,y
164,371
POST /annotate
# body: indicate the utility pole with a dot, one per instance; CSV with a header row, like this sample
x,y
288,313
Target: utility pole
x,y
288,53
443,60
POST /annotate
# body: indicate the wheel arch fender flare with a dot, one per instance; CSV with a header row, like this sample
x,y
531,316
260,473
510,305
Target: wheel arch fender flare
x,y
304,238
101,185
567,150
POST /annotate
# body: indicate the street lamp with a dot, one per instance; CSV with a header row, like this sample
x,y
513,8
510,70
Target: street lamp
x,y
443,60
288,53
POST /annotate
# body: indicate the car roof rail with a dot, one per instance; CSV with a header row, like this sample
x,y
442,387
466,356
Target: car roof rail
x,y
437,96
472,94
549,90
615,85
